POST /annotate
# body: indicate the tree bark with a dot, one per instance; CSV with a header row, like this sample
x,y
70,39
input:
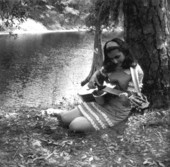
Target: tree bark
x,y
147,33
97,55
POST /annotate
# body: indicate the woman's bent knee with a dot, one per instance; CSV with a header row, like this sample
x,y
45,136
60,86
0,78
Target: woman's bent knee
x,y
65,119
68,117
80,124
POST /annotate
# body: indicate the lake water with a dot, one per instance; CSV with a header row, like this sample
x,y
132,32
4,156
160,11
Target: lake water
x,y
42,70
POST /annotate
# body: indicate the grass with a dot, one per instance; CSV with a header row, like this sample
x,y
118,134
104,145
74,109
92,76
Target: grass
x,y
32,139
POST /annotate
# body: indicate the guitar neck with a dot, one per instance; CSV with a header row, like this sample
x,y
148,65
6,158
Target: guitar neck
x,y
112,91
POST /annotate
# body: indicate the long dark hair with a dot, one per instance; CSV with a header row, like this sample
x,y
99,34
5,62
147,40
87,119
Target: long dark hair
x,y
129,61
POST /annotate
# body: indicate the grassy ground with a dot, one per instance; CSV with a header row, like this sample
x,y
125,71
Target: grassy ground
x,y
32,139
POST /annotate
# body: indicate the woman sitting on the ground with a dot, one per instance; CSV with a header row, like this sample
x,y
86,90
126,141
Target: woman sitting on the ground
x,y
115,70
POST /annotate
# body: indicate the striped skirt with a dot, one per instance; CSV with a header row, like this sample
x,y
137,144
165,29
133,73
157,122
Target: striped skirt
x,y
107,115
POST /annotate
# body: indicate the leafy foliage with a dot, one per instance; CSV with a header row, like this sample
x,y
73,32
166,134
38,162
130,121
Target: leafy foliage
x,y
10,10
68,12
65,12
107,12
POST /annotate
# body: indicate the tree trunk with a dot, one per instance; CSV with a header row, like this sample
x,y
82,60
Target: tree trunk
x,y
97,55
147,33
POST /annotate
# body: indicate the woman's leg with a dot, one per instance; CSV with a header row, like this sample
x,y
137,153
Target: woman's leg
x,y
68,117
81,124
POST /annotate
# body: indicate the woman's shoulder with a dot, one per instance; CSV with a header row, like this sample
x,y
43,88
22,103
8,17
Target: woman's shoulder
x,y
138,68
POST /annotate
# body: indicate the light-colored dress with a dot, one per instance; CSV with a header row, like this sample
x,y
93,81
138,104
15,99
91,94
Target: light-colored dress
x,y
115,109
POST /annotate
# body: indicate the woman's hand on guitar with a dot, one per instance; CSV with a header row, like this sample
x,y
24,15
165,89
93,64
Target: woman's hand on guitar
x,y
95,80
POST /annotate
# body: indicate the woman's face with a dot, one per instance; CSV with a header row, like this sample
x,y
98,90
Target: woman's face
x,y
116,57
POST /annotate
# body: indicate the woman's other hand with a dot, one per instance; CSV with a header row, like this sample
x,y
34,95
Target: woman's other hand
x,y
124,98
124,94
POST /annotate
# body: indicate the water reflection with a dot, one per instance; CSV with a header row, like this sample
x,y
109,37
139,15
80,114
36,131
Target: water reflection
x,y
37,70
